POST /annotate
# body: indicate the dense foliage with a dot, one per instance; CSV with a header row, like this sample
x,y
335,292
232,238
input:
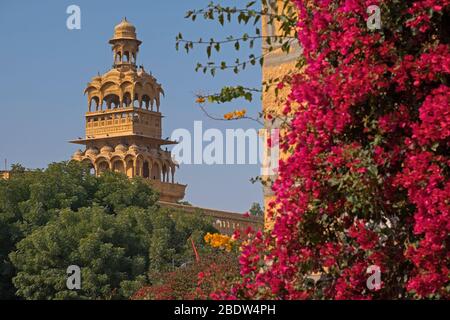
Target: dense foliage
x,y
215,269
110,226
366,179
256,210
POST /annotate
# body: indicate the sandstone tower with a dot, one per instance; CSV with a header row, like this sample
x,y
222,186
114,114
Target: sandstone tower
x,y
124,122
276,65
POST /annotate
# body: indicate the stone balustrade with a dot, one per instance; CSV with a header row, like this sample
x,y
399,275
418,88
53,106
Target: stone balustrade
x,y
225,222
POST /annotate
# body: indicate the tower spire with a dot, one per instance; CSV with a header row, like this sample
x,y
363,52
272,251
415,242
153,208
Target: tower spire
x,y
125,45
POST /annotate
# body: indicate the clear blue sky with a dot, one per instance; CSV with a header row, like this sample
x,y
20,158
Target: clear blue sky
x,y
45,68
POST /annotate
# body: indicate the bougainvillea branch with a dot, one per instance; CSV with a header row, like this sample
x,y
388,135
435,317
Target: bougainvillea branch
x,y
365,181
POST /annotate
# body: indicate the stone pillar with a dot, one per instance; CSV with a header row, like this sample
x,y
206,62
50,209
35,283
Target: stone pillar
x,y
100,103
150,170
135,168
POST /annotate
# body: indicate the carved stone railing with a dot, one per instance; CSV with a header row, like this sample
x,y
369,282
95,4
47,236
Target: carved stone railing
x,y
225,222
169,192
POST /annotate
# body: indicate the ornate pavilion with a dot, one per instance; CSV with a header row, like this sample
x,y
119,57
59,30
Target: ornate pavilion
x,y
124,122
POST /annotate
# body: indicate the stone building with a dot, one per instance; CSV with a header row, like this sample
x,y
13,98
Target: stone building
x,y
276,65
124,122
4,174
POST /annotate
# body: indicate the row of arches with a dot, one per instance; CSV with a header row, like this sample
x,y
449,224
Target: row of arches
x,y
132,166
113,101
124,57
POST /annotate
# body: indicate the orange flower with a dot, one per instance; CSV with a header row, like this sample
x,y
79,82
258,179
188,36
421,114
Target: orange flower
x,y
200,99
240,113
228,116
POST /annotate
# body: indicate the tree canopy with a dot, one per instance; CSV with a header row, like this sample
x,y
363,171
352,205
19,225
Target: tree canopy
x,y
110,226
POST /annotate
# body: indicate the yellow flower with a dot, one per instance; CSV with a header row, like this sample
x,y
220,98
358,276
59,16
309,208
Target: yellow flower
x,y
218,240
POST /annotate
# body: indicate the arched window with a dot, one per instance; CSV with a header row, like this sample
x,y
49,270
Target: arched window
x,y
145,170
88,163
103,166
117,166
156,171
127,99
146,101
136,101
111,101
94,101
118,57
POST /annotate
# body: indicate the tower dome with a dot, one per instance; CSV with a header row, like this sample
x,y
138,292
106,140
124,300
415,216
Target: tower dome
x,y
121,148
134,148
125,46
77,155
92,151
106,149
124,30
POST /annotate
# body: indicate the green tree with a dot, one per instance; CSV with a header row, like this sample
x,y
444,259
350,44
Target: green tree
x,y
88,238
114,252
110,226
256,210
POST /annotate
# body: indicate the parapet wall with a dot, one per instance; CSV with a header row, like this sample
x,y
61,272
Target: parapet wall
x,y
224,221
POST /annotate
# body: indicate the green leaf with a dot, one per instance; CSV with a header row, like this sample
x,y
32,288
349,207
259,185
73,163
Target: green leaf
x,y
256,19
208,51
435,146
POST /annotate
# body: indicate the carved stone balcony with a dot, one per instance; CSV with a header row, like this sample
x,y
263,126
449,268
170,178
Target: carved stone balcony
x,y
169,192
